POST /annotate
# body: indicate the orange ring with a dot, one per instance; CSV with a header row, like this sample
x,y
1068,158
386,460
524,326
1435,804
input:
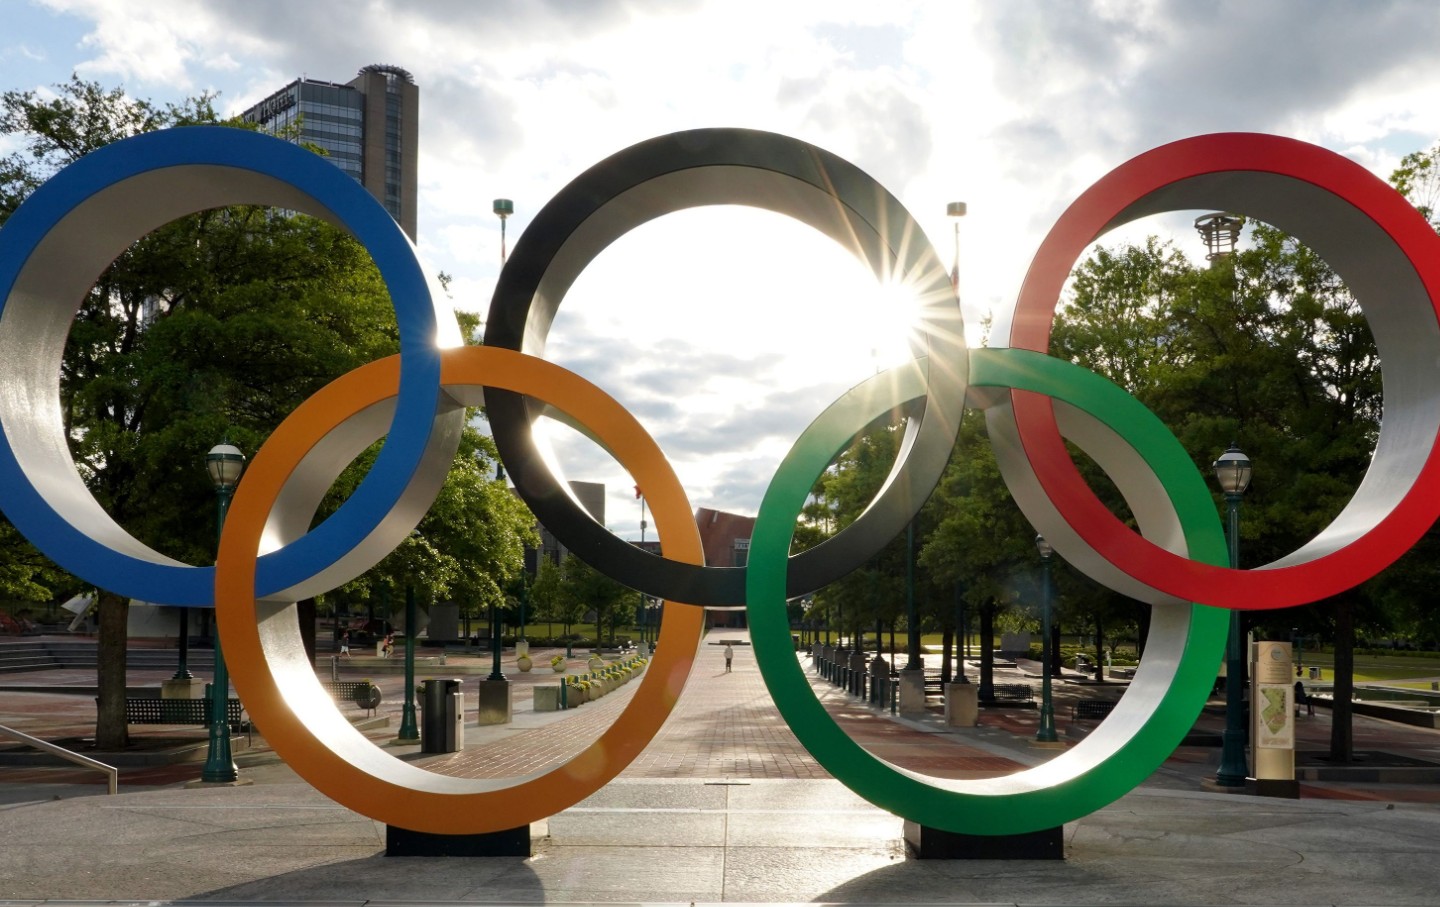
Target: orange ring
x,y
261,640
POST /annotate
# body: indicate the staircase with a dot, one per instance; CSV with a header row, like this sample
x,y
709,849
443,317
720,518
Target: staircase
x,y
49,654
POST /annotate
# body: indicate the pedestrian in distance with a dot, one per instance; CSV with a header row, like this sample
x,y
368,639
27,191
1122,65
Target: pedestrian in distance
x,y
388,646
729,656
345,644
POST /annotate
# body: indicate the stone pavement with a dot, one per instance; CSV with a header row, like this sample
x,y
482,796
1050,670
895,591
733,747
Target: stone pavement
x,y
724,806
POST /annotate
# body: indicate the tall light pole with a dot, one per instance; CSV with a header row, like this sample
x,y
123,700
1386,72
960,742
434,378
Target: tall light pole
x,y
1232,470
182,667
955,211
1046,734
225,463
503,208
409,729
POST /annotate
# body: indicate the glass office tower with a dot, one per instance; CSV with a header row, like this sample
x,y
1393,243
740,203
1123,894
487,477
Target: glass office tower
x,y
368,127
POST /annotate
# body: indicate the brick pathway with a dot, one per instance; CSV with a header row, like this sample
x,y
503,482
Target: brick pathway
x,y
725,727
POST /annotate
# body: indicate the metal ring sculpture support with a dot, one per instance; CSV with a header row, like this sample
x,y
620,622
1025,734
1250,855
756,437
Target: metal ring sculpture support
x,y
1169,688
731,167
278,684
74,224
59,241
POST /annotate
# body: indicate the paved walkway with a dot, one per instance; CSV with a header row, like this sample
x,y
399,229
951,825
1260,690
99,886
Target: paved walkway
x,y
723,806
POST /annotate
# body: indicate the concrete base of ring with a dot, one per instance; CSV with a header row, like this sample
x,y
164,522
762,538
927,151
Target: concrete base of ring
x,y
402,842
1287,788
912,692
933,844
494,702
962,704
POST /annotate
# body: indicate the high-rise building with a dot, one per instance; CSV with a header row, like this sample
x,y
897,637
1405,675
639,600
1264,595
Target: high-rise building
x,y
369,128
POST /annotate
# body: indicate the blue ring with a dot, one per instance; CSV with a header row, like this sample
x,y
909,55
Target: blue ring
x,y
337,195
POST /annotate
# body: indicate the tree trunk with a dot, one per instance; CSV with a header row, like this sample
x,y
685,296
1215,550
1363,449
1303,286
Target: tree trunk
x,y
1057,661
1342,731
305,612
1144,632
986,693
111,733
945,640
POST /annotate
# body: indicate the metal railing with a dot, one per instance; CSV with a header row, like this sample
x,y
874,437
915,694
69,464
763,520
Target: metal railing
x,y
112,775
881,690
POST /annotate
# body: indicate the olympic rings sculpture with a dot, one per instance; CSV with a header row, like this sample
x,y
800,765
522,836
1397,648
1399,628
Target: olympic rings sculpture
x,y
55,244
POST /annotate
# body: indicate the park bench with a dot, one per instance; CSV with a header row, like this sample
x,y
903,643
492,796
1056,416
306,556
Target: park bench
x,y
1013,694
183,711
1092,709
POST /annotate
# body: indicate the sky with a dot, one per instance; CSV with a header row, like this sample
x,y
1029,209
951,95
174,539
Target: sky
x,y
727,330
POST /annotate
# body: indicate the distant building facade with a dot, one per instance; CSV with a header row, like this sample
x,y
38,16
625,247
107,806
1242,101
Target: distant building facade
x,y
725,538
591,496
369,127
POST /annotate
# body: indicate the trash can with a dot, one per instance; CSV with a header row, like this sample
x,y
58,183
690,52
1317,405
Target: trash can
x,y
442,726
1314,673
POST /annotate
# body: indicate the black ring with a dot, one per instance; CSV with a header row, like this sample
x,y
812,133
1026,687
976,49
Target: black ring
x,y
725,167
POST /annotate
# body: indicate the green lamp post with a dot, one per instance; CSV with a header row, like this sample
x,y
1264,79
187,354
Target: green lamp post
x,y
409,728
1232,470
1046,734
225,463
913,659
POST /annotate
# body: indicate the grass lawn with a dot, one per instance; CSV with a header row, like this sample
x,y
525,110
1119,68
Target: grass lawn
x,y
1418,670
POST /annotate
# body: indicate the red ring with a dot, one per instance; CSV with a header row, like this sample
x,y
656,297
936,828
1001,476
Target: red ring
x,y
1091,215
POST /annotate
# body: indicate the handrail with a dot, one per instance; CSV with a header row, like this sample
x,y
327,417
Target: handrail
x,y
112,774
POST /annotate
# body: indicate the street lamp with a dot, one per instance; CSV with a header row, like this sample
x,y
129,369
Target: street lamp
x,y
409,730
225,463
182,667
955,211
1232,471
503,208
1046,734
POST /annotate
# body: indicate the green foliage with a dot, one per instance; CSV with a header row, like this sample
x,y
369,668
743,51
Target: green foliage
x,y
565,593
217,325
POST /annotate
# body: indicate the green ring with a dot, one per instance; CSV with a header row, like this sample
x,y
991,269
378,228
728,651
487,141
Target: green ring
x,y
1109,763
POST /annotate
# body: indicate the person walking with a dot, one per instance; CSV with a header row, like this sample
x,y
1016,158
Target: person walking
x,y
729,656
345,644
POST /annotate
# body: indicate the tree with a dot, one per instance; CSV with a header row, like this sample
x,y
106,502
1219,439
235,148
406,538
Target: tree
x,y
26,574
1266,348
470,545
550,598
595,591
217,325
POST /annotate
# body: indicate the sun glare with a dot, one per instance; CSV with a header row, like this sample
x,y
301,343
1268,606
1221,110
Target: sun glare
x,y
726,331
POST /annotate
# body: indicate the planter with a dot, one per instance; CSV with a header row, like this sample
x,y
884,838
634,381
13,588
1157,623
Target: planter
x,y
524,664
558,668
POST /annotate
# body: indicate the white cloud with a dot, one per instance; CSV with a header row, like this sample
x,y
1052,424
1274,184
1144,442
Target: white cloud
x,y
1013,108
